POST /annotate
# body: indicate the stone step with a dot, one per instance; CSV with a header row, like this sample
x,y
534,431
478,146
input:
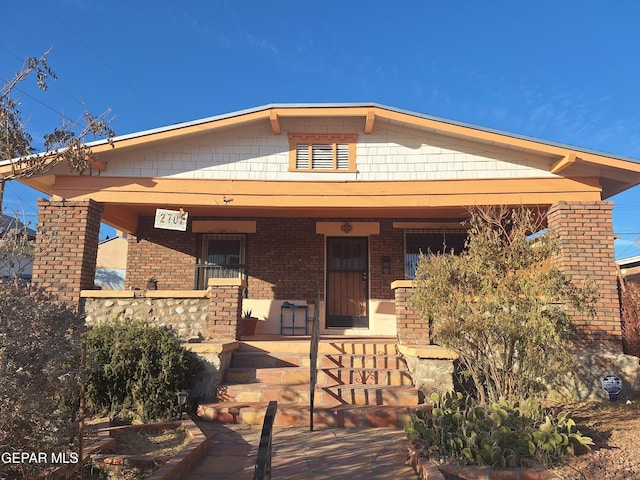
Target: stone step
x,y
329,416
354,394
326,376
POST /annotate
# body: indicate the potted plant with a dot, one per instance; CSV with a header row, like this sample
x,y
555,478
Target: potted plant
x,y
248,324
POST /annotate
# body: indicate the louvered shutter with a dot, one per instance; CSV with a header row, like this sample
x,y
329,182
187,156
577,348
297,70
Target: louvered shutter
x,y
302,157
342,157
322,157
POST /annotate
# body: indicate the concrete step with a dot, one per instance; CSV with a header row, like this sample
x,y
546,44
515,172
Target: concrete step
x,y
354,394
328,416
326,376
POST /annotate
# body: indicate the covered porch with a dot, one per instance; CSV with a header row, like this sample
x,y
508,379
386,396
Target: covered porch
x,y
360,265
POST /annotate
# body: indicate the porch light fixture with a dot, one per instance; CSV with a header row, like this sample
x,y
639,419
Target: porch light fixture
x,y
386,264
182,401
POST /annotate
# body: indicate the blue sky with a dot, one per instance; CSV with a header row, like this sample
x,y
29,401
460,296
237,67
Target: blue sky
x,y
566,71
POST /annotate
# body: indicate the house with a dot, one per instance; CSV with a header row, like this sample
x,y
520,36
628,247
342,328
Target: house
x,y
630,268
16,242
111,263
281,205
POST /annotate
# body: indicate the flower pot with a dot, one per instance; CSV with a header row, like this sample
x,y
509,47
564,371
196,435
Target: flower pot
x,y
248,326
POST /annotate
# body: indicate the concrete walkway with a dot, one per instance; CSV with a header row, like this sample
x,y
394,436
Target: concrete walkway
x,y
339,453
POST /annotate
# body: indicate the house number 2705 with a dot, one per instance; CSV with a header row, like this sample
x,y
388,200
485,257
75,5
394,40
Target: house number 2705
x,y
171,219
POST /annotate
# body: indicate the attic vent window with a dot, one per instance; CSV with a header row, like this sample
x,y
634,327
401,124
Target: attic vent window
x,y
322,153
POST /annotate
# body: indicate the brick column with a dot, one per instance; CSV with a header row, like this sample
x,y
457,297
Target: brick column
x,y
412,330
66,247
225,309
585,235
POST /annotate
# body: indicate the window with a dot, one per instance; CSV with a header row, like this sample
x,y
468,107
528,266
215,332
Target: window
x,y
223,256
322,152
430,242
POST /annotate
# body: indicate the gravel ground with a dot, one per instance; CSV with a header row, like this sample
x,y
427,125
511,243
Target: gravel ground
x,y
615,429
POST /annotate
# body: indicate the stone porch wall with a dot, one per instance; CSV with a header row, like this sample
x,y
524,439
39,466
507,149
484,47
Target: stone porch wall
x,y
187,316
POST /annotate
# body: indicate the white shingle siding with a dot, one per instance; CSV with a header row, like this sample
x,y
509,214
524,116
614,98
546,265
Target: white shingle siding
x,y
387,154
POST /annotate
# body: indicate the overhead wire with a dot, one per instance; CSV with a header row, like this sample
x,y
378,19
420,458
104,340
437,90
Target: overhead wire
x,y
101,59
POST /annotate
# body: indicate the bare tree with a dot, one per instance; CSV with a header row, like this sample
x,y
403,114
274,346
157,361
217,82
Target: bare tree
x,y
65,144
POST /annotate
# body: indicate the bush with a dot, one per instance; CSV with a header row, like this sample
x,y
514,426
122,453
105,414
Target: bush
x,y
500,305
136,370
631,318
502,434
39,376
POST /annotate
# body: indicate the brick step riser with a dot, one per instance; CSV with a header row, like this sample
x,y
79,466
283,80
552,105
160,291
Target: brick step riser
x,y
323,418
323,396
360,361
272,360
325,376
324,348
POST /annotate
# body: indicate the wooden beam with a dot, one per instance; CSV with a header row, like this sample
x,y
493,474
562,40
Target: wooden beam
x,y
566,161
325,194
368,125
275,123
120,218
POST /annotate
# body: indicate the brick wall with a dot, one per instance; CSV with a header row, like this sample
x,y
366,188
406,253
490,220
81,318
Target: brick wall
x,y
224,313
585,235
412,330
285,259
390,244
66,247
168,256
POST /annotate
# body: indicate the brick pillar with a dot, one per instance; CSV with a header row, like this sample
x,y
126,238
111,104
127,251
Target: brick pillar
x,y
412,330
66,247
585,235
225,309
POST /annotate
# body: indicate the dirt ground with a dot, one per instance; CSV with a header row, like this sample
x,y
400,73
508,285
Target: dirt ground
x,y
615,429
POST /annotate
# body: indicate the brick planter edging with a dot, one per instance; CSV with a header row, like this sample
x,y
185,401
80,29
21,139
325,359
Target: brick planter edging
x,y
428,470
176,466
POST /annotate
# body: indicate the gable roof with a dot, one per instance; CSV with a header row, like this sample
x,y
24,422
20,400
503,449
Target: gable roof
x,y
617,173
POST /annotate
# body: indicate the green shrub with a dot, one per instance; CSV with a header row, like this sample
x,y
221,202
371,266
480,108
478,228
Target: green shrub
x,y
136,369
503,434
501,306
39,376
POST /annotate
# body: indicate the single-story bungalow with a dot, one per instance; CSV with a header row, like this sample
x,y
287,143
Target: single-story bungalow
x,y
319,207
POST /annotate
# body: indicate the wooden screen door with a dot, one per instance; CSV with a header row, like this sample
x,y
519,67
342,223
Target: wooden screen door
x,y
347,282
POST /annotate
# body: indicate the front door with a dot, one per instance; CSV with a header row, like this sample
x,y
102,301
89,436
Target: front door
x,y
347,282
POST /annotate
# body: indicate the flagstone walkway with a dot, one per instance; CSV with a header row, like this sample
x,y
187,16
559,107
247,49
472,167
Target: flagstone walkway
x,y
338,453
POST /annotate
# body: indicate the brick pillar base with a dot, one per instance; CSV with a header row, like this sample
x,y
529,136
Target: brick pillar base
x,y
66,247
225,309
412,330
585,236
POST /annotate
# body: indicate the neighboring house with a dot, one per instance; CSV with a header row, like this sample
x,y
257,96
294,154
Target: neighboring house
x,y
284,201
111,263
630,268
14,260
